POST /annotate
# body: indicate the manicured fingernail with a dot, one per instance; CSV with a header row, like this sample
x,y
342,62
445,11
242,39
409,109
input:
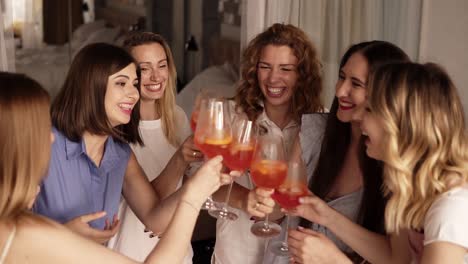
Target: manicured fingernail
x,y
301,200
300,228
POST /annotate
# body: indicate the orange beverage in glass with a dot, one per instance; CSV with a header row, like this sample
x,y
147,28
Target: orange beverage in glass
x,y
193,121
268,173
239,157
288,194
268,170
213,147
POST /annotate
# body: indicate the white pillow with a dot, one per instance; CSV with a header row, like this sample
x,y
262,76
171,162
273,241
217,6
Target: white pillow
x,y
106,35
82,32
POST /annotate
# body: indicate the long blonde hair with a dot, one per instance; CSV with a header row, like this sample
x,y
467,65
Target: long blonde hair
x,y
25,129
165,107
426,145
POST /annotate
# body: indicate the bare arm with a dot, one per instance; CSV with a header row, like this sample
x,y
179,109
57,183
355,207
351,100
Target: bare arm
x,y
443,252
193,194
375,248
144,200
166,183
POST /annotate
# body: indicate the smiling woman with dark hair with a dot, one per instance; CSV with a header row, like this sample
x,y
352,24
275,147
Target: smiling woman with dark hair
x,y
25,144
95,117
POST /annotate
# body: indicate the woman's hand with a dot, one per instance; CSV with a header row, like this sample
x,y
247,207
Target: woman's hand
x,y
308,246
207,180
259,202
313,209
189,151
80,225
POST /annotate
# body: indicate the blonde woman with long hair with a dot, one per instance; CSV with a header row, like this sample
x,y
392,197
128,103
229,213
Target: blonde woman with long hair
x,y
414,123
164,128
25,144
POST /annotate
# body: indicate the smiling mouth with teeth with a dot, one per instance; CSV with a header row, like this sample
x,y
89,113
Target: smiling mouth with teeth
x,y
275,91
126,106
154,87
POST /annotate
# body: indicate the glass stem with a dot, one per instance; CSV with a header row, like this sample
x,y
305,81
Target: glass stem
x,y
266,225
226,202
285,241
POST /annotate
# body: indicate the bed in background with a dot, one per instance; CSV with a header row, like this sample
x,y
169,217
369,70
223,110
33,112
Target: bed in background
x,y
221,77
49,64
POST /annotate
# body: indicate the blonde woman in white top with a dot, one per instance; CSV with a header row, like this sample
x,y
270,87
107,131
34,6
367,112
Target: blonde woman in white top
x,y
164,128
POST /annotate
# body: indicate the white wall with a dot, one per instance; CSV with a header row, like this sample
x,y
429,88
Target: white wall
x,y
444,40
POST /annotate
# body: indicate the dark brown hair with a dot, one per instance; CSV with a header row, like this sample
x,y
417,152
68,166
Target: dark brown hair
x,y
306,98
79,106
337,138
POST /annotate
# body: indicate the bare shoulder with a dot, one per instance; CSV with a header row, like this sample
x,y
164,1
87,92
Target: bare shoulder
x,y
36,238
35,225
46,241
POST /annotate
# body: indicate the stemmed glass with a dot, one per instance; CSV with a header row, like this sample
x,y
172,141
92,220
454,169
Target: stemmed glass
x,y
213,133
196,110
268,170
287,195
201,96
238,157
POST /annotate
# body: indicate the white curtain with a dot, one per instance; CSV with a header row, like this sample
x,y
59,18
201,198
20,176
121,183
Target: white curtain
x,y
28,15
333,25
7,42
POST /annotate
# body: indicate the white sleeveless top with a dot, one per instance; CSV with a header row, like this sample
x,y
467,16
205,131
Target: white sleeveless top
x,y
131,239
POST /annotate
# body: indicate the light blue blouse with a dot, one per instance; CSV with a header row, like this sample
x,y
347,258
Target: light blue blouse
x,y
75,186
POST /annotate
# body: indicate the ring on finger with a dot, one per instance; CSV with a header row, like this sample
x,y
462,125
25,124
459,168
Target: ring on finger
x,y
256,205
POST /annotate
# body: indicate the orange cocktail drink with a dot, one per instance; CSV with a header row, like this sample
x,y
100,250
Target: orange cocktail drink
x,y
268,173
239,156
193,121
288,194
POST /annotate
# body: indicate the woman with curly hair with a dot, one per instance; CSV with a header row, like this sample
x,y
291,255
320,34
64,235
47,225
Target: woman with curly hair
x,y
414,123
281,81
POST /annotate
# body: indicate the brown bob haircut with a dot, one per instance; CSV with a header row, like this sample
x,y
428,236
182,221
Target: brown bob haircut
x,y
79,106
